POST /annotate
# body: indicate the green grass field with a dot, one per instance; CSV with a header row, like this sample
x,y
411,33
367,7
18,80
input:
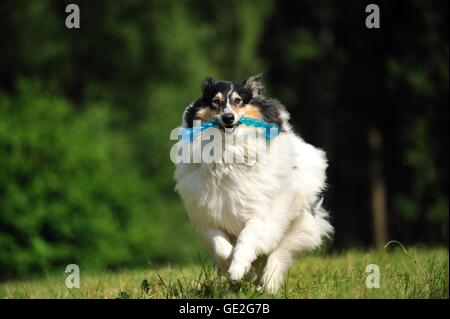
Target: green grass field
x,y
417,273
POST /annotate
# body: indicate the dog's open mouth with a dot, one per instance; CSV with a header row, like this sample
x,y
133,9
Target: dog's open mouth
x,y
228,129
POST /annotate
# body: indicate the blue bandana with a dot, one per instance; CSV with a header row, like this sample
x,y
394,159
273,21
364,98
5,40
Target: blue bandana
x,y
188,133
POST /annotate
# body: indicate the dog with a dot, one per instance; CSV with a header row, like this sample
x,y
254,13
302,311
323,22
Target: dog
x,y
270,210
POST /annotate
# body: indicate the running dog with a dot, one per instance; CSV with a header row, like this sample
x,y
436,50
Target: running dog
x,y
271,208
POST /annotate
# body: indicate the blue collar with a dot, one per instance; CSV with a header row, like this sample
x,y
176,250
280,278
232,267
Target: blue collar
x,y
188,133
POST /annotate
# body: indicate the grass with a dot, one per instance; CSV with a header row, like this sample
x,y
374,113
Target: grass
x,y
416,273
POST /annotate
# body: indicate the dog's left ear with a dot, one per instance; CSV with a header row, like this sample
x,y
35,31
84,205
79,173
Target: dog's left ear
x,y
254,84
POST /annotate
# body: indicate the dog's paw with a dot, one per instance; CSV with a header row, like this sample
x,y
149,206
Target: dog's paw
x,y
223,250
238,270
270,288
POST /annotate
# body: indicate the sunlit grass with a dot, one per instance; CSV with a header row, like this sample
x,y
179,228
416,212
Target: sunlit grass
x,y
419,273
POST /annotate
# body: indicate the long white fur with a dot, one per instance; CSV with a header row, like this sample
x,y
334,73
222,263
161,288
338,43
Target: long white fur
x,y
244,211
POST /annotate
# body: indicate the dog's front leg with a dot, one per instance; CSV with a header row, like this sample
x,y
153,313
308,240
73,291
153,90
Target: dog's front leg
x,y
258,237
220,245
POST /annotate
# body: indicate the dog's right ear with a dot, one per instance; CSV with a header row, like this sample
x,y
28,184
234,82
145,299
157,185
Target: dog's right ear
x,y
207,84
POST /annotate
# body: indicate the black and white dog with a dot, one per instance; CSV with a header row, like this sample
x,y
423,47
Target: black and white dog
x,y
271,208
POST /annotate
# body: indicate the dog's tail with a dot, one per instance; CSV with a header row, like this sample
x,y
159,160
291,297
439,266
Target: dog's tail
x,y
322,218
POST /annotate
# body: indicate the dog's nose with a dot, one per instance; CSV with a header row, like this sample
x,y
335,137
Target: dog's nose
x,y
228,118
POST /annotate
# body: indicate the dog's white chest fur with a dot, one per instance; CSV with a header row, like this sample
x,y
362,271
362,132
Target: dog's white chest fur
x,y
227,195
219,194
225,199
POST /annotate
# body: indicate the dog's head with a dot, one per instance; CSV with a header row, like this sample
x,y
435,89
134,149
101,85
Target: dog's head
x,y
226,101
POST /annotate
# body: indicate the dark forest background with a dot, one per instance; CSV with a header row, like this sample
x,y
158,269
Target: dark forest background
x,y
85,117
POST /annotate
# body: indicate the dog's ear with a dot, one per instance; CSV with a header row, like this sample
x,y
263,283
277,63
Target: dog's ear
x,y
207,84
254,84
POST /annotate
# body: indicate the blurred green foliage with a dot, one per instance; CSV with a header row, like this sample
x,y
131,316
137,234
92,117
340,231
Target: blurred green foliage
x,y
85,117
70,193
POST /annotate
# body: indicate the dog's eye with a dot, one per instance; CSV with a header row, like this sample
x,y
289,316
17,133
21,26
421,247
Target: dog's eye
x,y
216,101
237,101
